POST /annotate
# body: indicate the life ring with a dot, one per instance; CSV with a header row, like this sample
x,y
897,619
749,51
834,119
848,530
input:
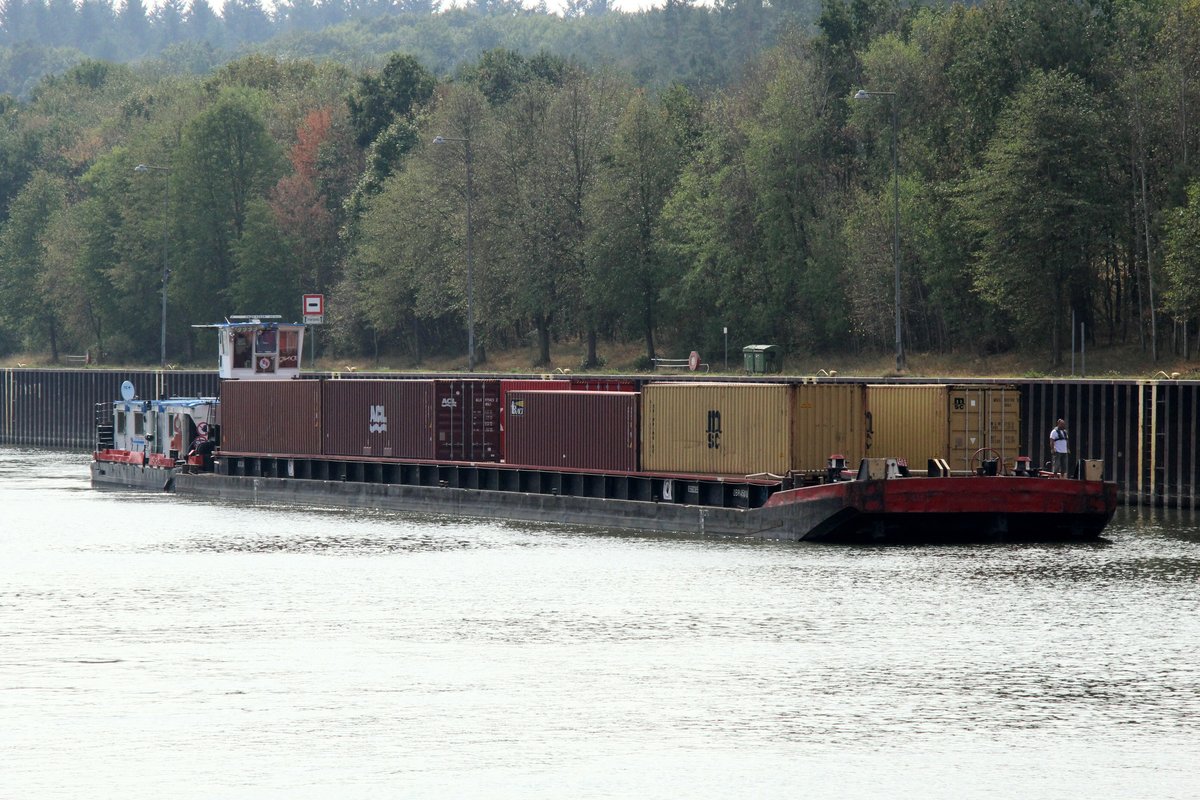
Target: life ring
x,y
264,363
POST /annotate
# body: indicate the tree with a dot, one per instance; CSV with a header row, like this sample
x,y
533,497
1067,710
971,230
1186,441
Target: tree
x,y
26,283
398,92
626,274
1182,257
226,160
1036,204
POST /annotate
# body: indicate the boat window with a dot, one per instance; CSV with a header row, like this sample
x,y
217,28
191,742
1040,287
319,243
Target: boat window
x,y
243,354
289,349
265,344
139,423
119,426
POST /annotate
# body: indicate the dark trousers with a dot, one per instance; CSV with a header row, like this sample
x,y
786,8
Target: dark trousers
x,y
1060,463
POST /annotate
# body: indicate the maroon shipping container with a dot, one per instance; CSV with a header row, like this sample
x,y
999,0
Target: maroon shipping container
x,y
271,417
574,430
600,384
388,418
467,420
523,385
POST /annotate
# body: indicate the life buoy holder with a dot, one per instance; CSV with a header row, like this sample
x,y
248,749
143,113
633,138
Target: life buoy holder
x,y
264,363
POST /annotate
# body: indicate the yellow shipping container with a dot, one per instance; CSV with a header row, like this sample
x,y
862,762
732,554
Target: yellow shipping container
x,y
716,428
984,417
829,418
909,422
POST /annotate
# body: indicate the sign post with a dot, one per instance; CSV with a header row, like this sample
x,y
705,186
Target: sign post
x,y
313,306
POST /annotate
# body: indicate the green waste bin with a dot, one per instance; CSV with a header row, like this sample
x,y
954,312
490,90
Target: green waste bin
x,y
760,359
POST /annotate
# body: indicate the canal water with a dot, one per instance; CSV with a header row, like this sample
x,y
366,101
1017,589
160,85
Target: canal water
x,y
152,646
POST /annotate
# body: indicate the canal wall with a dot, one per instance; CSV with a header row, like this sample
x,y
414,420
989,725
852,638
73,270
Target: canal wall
x,y
1144,431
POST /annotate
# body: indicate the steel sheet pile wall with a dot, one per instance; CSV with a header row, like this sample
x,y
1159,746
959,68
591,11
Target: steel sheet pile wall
x,y
1144,431
387,418
716,428
467,419
573,430
829,418
57,407
271,417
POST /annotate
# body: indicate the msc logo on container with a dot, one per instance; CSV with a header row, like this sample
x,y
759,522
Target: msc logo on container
x,y
714,430
378,420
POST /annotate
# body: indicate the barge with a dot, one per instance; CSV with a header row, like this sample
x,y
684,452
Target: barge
x,y
439,446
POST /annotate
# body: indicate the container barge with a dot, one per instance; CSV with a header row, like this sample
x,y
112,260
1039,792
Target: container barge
x,y
766,461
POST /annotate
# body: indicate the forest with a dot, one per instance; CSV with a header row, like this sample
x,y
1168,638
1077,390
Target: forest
x,y
984,173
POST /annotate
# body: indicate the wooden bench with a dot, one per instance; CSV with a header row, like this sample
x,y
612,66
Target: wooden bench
x,y
84,359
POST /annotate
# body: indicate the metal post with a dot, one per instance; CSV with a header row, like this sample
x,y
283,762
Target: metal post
x,y
863,94
166,272
469,156
470,259
896,222
725,330
1072,342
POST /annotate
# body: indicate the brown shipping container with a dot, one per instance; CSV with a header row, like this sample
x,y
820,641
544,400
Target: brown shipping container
x,y
909,422
521,385
573,430
829,418
716,428
271,417
467,420
388,418
600,384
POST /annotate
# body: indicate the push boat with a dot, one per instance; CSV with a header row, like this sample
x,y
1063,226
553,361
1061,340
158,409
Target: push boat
x,y
173,444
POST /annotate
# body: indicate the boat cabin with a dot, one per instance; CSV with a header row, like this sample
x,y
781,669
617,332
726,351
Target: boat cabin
x,y
171,428
255,348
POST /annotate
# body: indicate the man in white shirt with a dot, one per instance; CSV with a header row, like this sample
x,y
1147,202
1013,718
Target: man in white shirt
x,y
1058,445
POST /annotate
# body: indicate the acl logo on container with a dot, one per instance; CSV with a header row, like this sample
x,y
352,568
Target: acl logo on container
x,y
378,420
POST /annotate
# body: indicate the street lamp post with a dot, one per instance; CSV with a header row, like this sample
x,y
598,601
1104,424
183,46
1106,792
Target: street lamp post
x,y
863,94
469,157
166,273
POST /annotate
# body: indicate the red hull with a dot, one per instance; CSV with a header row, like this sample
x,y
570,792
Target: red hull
x,y
953,509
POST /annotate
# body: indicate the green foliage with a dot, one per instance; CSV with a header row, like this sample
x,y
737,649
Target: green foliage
x,y
715,173
397,93
1034,205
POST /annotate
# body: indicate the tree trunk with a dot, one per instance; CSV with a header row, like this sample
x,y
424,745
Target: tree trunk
x,y
543,334
593,360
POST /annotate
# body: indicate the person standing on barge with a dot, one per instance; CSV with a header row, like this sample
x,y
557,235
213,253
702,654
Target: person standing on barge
x,y
1058,446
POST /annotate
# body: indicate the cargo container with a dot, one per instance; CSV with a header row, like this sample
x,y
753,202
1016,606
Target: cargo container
x,y
830,418
908,422
524,384
983,417
717,428
271,417
919,422
467,420
388,418
573,430
602,384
